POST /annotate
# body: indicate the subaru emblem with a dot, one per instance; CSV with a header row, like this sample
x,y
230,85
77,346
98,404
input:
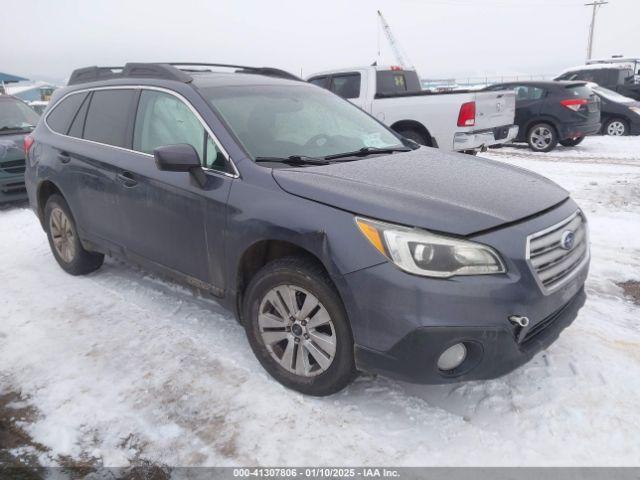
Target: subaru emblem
x,y
567,240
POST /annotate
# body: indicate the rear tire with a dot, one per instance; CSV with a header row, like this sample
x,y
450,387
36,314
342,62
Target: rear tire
x,y
542,137
416,136
64,241
571,142
307,347
615,127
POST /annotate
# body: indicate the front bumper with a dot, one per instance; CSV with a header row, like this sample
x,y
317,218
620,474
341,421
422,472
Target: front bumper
x,y
12,189
402,323
484,138
492,352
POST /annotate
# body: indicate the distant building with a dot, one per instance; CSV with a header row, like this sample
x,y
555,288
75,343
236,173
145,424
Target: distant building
x,y
31,92
23,88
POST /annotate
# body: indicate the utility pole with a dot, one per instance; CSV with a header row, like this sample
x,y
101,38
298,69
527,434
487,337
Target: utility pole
x,y
595,4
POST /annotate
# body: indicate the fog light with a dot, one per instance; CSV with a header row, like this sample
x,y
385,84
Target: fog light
x,y
452,357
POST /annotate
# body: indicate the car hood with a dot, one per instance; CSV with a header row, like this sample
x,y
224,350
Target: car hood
x,y
446,192
11,147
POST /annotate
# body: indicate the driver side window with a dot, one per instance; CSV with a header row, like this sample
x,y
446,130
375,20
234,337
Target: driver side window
x,y
163,119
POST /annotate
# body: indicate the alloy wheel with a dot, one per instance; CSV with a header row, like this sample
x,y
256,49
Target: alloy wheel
x,y
63,235
616,128
297,330
541,137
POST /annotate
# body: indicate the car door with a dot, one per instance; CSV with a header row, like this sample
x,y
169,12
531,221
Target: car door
x,y
96,129
529,101
171,218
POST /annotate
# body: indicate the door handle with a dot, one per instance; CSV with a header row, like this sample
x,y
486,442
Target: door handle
x,y
64,157
127,179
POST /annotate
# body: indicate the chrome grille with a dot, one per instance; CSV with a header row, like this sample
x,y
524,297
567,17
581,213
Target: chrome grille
x,y
552,261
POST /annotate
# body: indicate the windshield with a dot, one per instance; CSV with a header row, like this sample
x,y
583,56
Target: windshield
x,y
15,115
612,96
299,120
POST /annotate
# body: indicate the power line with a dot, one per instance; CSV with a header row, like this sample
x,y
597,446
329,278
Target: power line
x,y
596,5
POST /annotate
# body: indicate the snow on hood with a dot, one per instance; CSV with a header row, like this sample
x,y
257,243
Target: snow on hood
x,y
446,192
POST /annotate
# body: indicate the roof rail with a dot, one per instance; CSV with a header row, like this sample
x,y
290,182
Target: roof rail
x,y
267,71
135,70
165,70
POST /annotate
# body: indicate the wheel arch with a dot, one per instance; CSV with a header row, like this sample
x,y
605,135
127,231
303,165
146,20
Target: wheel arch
x,y
257,255
414,125
45,189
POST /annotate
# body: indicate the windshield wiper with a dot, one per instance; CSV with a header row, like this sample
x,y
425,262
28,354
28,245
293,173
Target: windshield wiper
x,y
293,160
363,152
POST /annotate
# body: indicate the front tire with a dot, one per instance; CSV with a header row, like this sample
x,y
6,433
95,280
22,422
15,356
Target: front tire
x,y
542,137
571,142
64,241
298,328
615,127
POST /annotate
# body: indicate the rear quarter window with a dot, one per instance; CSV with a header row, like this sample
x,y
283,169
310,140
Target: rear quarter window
x,y
579,92
64,112
110,117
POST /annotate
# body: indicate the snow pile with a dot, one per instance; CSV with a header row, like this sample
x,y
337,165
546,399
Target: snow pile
x,y
121,365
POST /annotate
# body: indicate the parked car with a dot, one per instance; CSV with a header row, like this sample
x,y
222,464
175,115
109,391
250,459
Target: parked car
x,y
340,246
622,75
16,121
39,106
549,113
462,120
620,114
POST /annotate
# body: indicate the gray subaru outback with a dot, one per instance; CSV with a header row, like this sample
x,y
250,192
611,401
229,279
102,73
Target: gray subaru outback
x,y
340,246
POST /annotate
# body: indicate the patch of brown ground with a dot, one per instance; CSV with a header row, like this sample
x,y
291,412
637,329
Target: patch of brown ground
x,y
632,290
21,465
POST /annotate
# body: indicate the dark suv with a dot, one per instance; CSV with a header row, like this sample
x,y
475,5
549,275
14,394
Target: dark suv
x,y
549,113
339,245
617,74
17,119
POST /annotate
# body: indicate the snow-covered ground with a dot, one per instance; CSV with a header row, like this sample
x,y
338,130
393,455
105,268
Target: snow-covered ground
x,y
120,365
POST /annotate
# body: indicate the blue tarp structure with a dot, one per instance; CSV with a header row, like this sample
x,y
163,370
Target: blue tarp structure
x,y
6,78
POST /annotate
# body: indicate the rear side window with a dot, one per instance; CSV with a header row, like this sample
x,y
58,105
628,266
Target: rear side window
x,y
163,119
601,76
346,86
109,117
320,81
528,92
64,112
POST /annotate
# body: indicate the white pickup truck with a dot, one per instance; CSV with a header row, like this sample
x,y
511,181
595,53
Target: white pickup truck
x,y
464,120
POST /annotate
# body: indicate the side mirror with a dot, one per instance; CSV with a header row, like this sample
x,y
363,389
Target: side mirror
x,y
177,158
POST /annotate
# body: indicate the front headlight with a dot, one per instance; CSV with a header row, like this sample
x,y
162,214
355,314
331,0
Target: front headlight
x,y
424,253
635,110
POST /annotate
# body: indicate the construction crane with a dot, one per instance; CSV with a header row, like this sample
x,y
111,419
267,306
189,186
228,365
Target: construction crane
x,y
401,58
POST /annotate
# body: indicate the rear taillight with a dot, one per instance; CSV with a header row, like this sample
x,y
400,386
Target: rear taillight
x,y
574,103
28,143
467,115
